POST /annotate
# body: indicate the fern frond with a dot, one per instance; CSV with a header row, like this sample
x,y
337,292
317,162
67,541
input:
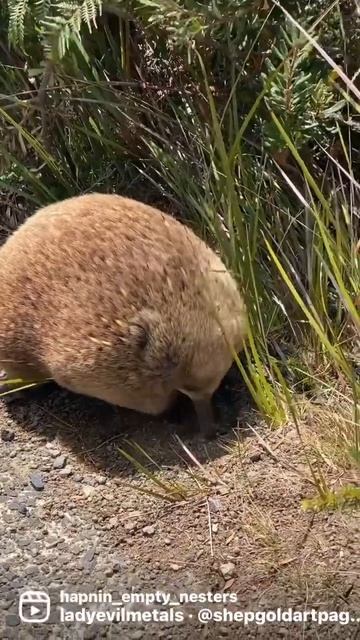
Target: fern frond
x,y
60,28
90,10
42,9
17,14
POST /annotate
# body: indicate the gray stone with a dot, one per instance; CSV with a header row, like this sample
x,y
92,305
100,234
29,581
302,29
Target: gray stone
x,y
59,462
12,620
37,482
227,570
18,506
149,530
65,473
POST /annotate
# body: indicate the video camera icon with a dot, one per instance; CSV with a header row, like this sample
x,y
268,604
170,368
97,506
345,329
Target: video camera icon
x,y
34,606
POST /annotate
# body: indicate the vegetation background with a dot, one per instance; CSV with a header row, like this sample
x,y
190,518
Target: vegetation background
x,y
240,116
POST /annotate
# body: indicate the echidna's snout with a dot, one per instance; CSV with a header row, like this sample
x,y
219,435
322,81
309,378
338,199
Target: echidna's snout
x,y
206,416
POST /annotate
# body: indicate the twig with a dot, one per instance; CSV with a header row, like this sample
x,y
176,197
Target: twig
x,y
210,529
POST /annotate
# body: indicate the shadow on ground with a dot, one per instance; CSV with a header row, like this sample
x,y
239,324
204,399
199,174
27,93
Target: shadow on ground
x,y
93,431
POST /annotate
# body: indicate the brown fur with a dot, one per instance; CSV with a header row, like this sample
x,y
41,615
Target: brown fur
x,y
114,299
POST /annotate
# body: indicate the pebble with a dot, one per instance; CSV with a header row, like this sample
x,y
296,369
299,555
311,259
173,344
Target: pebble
x,y
90,480
88,491
223,631
23,543
113,522
7,436
36,481
227,570
55,453
214,504
18,506
66,472
52,542
12,454
149,530
76,549
89,556
175,567
12,620
78,478
59,462
101,479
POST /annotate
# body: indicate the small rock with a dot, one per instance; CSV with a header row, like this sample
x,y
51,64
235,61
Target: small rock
x,y
223,631
23,543
12,620
18,506
59,462
175,567
55,453
89,556
109,572
66,472
12,454
214,504
36,481
88,491
167,541
31,570
113,522
51,542
227,570
76,549
223,490
137,635
215,527
149,530
101,479
78,478
129,526
7,436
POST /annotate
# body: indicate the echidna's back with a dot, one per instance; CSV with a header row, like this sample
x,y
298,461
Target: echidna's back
x,y
116,300
86,259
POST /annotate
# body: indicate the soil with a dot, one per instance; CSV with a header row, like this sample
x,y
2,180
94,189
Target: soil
x,y
75,516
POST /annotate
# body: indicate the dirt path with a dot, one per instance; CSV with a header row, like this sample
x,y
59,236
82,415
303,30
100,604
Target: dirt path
x,y
73,518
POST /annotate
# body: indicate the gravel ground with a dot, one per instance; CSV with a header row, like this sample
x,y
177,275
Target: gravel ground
x,y
75,517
